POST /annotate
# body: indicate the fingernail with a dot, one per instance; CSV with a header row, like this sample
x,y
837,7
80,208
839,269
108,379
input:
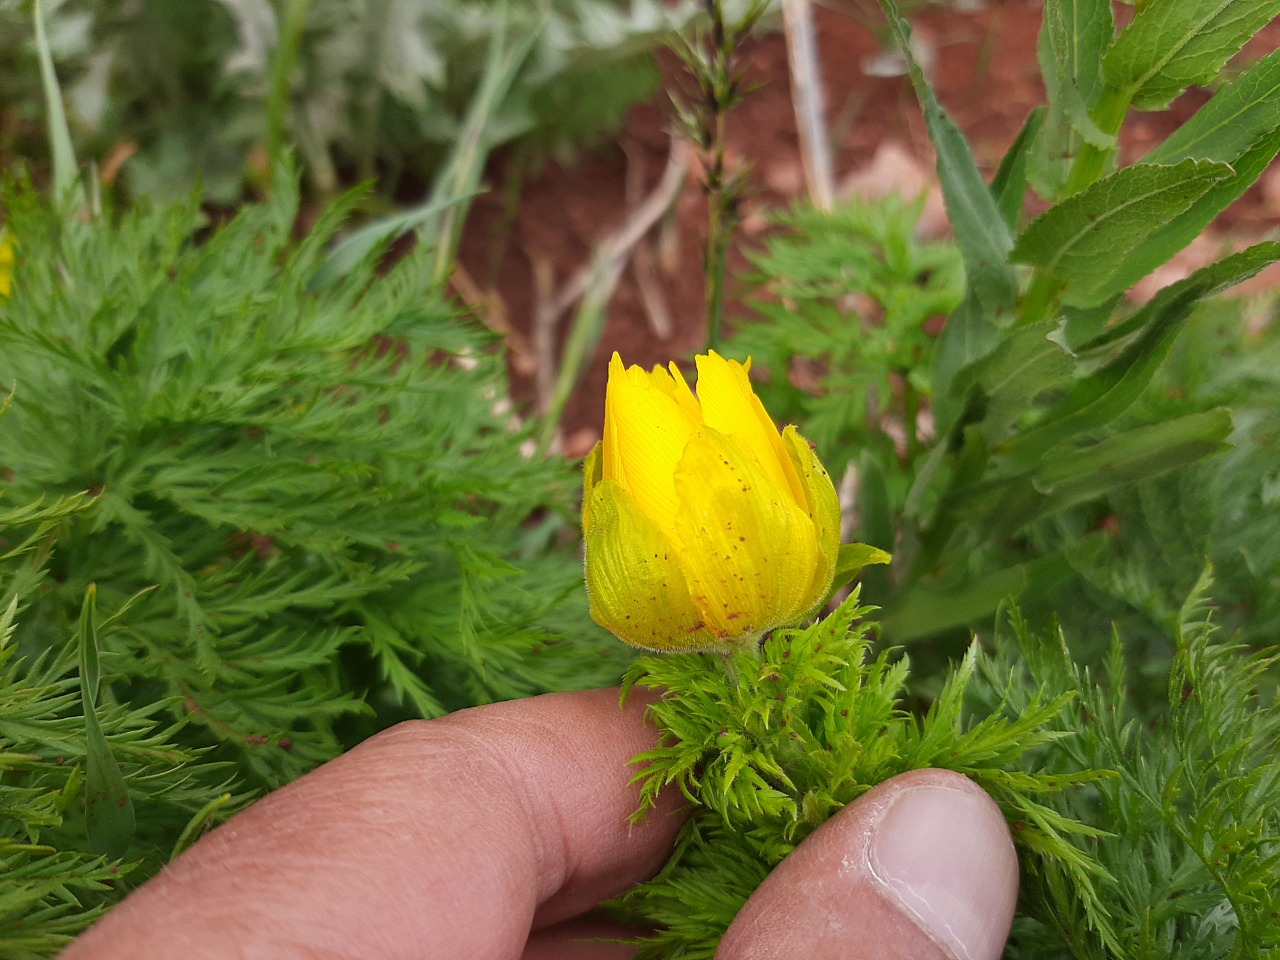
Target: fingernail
x,y
945,855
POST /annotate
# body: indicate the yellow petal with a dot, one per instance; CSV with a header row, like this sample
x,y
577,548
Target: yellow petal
x,y
674,385
645,433
747,548
823,507
611,456
6,263
591,475
731,406
634,582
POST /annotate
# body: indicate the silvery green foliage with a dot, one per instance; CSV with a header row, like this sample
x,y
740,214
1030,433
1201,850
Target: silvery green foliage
x,y
380,83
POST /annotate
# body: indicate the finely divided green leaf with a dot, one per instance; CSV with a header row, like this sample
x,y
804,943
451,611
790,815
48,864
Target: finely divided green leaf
x,y
1091,239
1172,44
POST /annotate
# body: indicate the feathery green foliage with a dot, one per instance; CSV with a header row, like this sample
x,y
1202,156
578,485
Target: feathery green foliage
x,y
1192,843
767,744
311,474
846,298
56,882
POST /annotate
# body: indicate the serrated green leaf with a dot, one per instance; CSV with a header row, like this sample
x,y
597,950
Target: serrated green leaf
x,y
979,229
1078,32
1025,365
1009,185
981,233
1182,296
968,336
1079,475
1239,113
1102,396
1069,50
1101,240
1172,44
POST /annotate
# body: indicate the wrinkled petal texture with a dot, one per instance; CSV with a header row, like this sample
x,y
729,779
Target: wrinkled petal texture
x,y
705,527
731,406
635,587
646,430
823,508
747,548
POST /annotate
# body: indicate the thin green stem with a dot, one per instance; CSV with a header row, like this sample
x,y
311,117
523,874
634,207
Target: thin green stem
x,y
1042,296
720,232
1092,161
910,411
283,66
716,86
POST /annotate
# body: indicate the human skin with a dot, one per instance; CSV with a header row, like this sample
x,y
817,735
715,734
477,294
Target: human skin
x,y
493,833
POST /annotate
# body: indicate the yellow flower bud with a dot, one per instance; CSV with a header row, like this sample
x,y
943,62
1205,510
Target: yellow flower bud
x,y
6,263
705,527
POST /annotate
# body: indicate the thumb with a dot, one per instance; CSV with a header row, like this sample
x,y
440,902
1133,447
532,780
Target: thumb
x,y
920,868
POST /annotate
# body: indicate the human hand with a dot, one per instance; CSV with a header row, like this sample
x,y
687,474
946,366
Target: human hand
x,y
492,833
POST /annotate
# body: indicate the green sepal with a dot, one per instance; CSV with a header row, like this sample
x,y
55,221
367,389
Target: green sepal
x,y
853,558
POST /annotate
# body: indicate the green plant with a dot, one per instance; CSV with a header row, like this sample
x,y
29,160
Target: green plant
x,y
1190,851
843,304
57,878
710,56
1032,384
307,466
767,743
1079,458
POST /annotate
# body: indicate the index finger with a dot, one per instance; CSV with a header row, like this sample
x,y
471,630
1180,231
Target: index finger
x,y
450,837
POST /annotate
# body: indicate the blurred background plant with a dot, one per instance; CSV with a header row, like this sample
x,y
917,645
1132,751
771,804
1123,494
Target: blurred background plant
x,y
199,90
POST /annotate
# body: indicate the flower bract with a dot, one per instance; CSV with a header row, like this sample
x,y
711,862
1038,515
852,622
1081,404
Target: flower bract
x,y
705,526
6,263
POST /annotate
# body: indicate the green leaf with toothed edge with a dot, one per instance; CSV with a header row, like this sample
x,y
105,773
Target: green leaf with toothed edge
x,y
979,229
1173,44
1104,239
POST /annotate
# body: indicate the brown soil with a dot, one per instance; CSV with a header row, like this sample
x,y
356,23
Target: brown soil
x,y
985,73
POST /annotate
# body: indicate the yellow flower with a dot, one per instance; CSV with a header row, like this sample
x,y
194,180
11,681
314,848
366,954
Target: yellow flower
x,y
705,527
6,263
